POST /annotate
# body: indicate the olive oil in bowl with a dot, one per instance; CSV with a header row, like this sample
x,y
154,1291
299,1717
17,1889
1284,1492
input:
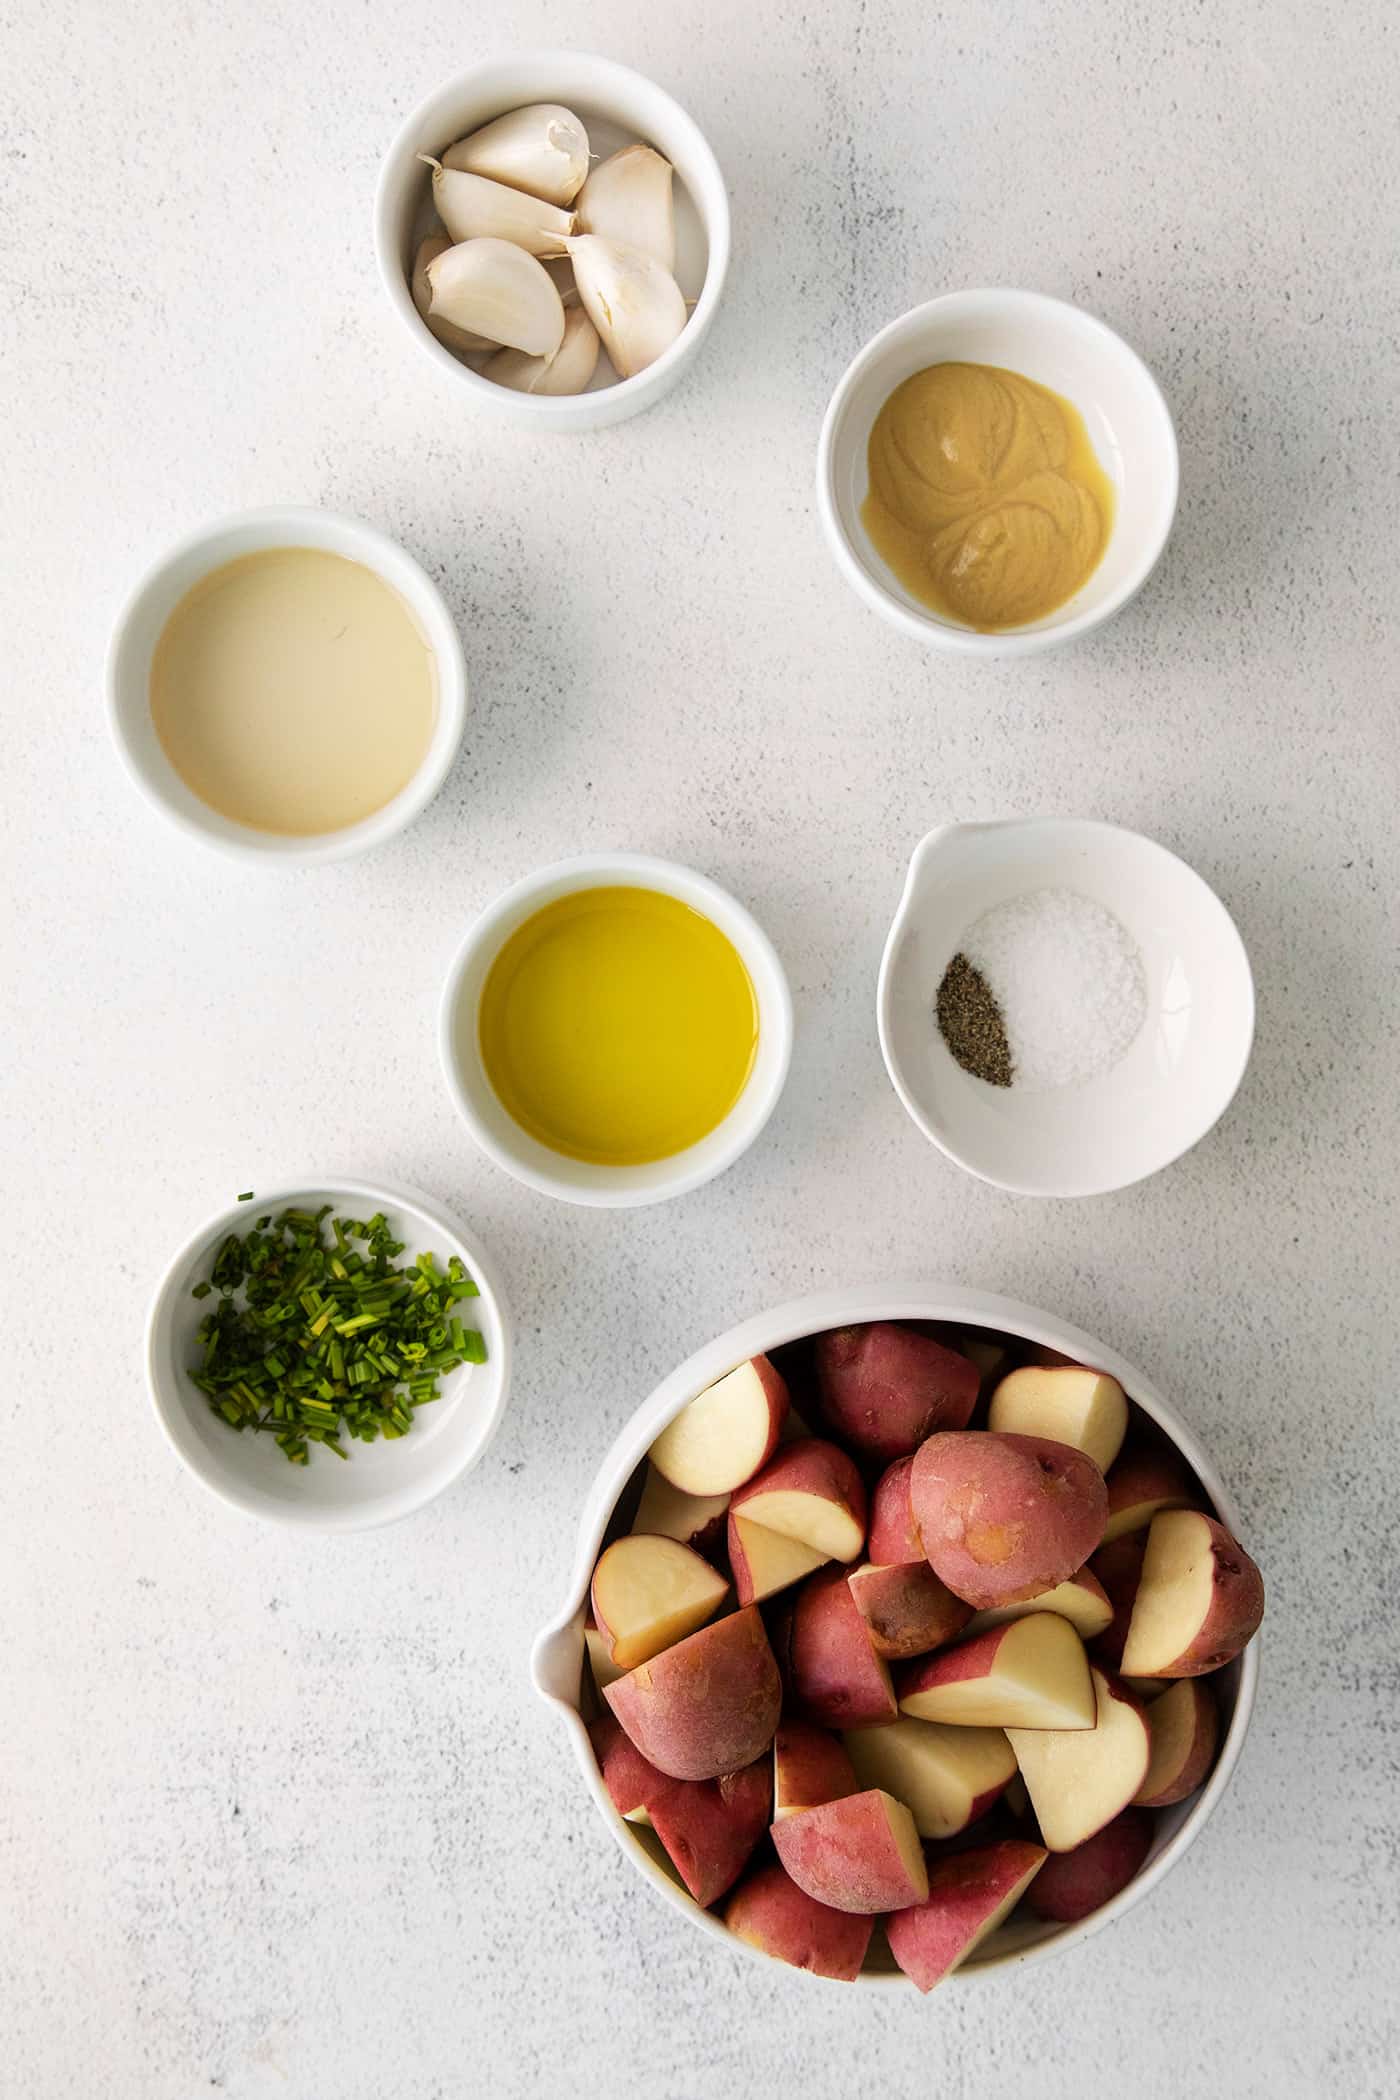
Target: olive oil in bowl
x,y
618,1026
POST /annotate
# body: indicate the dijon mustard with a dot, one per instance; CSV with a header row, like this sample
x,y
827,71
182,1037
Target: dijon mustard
x,y
986,498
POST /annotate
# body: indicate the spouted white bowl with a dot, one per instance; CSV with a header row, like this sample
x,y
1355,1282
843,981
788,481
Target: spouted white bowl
x,y
1176,1078
557,1663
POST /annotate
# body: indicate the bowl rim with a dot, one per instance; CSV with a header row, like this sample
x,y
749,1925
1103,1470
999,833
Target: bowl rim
x,y
378,552
927,628
760,959
561,410
937,1135
383,1196
792,1321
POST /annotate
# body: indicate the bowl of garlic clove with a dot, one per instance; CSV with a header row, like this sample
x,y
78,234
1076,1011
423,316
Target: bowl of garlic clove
x,y
553,231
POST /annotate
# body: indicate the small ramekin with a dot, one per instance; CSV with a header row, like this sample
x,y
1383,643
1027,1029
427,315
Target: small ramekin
x,y
1061,347
378,1482
577,1181
138,629
608,98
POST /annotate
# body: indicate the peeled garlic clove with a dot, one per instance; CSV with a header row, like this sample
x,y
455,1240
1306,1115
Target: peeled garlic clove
x,y
455,338
472,208
567,372
627,198
636,306
542,149
495,289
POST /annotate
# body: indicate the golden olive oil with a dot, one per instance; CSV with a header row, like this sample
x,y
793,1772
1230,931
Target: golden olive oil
x,y
618,1026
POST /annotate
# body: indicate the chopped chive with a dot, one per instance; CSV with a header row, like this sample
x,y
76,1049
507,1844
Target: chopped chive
x,y
315,1334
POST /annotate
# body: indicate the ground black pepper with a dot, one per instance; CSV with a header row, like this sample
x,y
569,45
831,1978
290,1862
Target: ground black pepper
x,y
970,1023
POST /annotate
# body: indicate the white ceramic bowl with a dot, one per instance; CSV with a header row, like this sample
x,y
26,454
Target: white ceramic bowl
x,y
557,1661
617,106
1059,346
377,1482
155,597
502,1138
1173,1083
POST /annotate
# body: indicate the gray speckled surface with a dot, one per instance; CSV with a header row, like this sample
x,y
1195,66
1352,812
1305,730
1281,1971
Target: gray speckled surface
x,y
282,1818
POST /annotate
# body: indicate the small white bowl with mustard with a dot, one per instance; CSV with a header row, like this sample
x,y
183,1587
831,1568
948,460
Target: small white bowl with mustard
x,y
615,1030
287,685
997,473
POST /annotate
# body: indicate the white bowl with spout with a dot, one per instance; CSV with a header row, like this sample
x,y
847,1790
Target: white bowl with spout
x,y
557,1662
1172,1084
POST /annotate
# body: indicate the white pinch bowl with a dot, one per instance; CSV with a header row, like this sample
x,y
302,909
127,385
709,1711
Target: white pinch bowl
x,y
1169,1088
574,1180
377,1482
557,1660
154,599
1059,346
617,107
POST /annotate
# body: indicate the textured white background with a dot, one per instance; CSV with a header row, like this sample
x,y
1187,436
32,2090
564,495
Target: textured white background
x,y
280,1818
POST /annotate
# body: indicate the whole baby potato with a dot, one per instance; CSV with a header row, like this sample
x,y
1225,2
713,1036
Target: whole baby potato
x,y
1004,1517
884,1388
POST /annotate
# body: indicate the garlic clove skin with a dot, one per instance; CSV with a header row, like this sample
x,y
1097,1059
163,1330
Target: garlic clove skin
x,y
542,149
627,198
472,208
567,372
495,289
455,338
636,306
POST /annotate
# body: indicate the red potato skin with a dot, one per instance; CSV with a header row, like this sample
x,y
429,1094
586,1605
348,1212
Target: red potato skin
x,y
1118,1567
710,1829
1144,1478
1205,1736
772,1913
632,1782
775,1388
834,1674
1004,1517
738,1563
1236,1608
964,1888
811,1466
906,1610
974,1658
1073,1884
844,1847
809,1767
893,1541
708,1705
884,1388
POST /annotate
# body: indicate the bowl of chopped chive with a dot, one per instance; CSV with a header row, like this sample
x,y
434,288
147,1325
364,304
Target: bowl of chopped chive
x,y
331,1355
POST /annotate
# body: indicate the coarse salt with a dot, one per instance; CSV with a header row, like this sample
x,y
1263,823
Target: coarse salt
x,y
1068,979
